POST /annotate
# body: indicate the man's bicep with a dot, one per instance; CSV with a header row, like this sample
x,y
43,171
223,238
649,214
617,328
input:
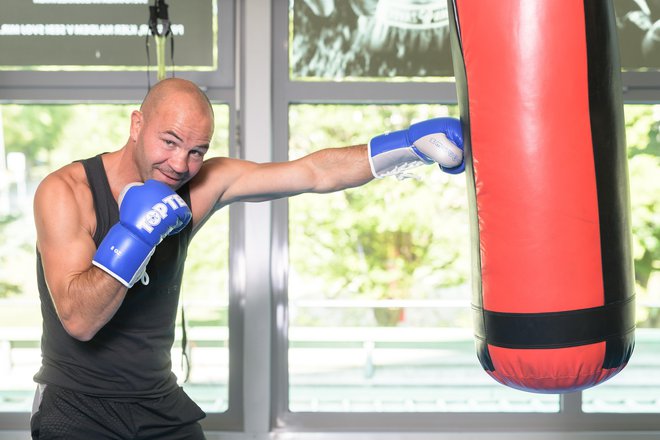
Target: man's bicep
x,y
65,245
223,181
269,181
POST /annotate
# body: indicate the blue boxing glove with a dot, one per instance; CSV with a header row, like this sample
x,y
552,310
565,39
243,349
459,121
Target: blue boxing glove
x,y
148,212
438,140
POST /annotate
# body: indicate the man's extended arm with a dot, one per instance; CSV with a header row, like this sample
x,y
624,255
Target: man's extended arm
x,y
224,180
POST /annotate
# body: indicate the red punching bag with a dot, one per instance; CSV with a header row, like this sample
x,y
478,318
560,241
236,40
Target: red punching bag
x,y
539,92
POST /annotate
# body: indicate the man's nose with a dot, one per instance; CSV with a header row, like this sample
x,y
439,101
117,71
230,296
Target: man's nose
x,y
179,161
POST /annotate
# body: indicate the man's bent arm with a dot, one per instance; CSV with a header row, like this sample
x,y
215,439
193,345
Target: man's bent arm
x,y
85,297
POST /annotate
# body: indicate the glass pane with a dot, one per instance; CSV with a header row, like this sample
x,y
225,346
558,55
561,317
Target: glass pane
x,y
379,291
637,387
107,35
37,139
359,39
205,296
381,39
638,26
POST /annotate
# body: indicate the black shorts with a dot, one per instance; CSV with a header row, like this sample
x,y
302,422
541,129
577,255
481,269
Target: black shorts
x,y
65,414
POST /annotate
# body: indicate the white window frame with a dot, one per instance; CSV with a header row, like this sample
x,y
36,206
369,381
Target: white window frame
x,y
639,87
259,92
130,87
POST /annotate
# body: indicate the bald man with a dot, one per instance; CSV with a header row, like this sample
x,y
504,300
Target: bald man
x,y
112,234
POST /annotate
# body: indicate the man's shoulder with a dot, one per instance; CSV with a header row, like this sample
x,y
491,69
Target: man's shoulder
x,y
227,167
67,185
70,177
66,192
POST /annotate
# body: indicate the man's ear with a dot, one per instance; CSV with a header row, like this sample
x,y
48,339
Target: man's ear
x,y
137,121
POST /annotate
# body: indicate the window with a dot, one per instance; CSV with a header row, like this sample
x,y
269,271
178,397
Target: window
x,y
41,138
637,389
638,27
369,39
354,361
410,39
378,290
379,285
108,35
105,62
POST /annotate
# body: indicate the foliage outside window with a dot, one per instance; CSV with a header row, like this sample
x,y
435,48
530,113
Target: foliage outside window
x,y
379,280
637,387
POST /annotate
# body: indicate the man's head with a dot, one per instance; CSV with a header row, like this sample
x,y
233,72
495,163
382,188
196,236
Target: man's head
x,y
171,132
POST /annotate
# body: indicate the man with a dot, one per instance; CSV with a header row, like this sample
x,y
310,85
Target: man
x,y
112,236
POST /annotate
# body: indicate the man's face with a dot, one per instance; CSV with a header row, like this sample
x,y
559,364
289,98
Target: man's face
x,y
171,142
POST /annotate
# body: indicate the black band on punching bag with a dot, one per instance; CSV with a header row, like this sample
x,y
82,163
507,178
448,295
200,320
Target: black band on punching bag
x,y
555,329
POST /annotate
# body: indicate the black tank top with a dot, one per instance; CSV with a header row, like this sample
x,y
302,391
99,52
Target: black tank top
x,y
129,358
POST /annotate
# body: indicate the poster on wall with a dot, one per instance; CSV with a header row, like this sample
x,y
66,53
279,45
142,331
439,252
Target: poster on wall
x,y
638,25
358,39
104,35
370,38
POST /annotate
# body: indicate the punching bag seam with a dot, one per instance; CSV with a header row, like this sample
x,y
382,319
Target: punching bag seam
x,y
610,164
460,76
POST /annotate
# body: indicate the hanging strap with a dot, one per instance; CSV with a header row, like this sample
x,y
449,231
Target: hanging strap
x,y
158,13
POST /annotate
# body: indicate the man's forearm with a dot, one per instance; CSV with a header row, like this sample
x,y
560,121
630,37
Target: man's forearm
x,y
91,300
342,168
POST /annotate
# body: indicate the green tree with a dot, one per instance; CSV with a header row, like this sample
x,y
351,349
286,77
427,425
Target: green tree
x,y
34,130
643,139
408,239
8,286
385,240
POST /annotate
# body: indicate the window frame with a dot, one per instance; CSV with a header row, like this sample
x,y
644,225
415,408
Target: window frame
x,y
639,87
37,87
232,418
258,322
110,86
